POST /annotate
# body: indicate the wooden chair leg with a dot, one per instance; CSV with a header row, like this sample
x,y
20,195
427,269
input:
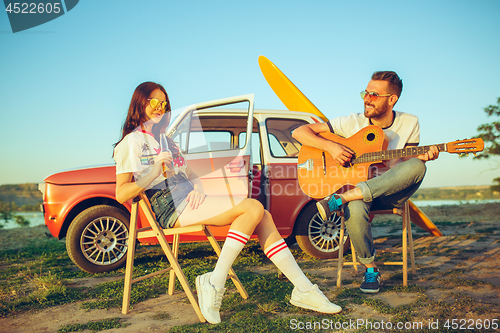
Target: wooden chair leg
x,y
171,280
354,258
132,239
410,240
405,249
341,252
232,274
173,262
407,243
180,275
171,254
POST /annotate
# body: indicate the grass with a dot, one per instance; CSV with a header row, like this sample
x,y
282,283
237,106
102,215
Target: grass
x,y
94,326
39,277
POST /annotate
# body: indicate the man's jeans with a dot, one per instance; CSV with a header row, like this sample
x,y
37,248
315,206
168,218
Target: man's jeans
x,y
387,191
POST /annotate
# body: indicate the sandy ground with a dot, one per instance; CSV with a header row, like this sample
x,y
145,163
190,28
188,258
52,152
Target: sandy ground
x,y
477,257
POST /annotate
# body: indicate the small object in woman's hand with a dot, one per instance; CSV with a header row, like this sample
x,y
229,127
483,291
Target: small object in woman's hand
x,y
168,169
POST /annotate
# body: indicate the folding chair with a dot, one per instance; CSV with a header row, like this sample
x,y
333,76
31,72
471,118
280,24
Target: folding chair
x,y
155,230
407,238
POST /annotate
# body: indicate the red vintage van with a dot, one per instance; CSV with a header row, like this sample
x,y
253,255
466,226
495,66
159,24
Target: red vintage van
x,y
80,204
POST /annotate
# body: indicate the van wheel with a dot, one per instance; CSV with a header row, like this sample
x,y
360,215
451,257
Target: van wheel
x,y
319,238
97,239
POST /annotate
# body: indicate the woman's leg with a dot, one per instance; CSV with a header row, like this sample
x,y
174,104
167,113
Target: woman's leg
x,y
277,251
305,294
243,215
246,217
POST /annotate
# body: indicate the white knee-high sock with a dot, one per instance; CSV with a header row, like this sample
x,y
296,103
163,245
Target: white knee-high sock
x,y
280,255
235,241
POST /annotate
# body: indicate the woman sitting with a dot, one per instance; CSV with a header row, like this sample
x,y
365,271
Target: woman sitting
x,y
178,200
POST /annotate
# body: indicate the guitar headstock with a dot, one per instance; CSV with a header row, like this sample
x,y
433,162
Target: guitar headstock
x,y
466,146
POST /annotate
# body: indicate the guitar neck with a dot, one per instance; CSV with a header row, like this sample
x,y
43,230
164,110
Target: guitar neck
x,y
394,154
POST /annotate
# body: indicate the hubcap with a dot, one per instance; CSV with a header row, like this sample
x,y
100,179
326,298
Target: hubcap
x,y
104,241
325,235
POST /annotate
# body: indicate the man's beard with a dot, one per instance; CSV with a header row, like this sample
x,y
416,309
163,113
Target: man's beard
x,y
376,112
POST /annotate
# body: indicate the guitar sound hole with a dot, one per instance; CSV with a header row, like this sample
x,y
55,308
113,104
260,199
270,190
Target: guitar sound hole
x,y
370,137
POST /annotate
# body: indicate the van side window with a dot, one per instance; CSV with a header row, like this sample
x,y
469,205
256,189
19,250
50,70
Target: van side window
x,y
200,142
279,134
256,159
204,133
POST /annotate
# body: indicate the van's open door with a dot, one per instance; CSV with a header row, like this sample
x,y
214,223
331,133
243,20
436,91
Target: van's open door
x,y
213,137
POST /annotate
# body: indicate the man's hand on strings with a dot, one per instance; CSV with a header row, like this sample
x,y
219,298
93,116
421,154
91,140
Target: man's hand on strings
x,y
430,155
341,154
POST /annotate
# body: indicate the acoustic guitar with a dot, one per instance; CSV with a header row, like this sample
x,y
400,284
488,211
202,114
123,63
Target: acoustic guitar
x,y
319,175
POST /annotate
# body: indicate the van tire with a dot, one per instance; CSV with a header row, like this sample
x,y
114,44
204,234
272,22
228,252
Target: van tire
x,y
318,238
97,239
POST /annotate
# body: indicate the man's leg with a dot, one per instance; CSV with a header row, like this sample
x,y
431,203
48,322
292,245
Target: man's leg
x,y
360,232
395,186
391,189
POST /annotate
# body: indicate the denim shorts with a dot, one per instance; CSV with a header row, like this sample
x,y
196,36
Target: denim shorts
x,y
168,199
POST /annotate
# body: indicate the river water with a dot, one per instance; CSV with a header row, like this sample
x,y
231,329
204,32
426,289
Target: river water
x,y
423,203
35,218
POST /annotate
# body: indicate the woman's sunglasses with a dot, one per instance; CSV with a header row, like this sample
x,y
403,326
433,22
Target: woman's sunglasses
x,y
155,103
373,95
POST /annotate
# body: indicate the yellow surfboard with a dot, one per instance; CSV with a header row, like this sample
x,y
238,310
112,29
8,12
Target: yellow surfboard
x,y
419,218
287,92
295,100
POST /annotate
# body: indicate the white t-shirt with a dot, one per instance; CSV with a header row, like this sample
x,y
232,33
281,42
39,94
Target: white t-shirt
x,y
136,153
403,130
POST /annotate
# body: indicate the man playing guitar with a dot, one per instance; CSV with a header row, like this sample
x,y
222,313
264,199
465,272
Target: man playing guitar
x,y
391,185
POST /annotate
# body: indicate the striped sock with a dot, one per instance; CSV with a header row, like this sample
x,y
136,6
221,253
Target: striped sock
x,y
235,241
280,255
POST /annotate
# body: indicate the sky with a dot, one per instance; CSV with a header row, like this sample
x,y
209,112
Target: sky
x,y
65,85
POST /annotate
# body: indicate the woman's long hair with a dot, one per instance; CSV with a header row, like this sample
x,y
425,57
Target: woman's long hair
x,y
136,115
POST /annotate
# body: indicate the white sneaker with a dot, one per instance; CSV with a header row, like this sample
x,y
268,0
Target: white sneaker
x,y
209,298
315,300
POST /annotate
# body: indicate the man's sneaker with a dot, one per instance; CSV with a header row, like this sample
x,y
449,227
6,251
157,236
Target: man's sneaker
x,y
371,281
329,205
209,298
313,299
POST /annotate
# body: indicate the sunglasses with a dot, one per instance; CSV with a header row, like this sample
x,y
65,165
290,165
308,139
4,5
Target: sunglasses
x,y
155,103
373,95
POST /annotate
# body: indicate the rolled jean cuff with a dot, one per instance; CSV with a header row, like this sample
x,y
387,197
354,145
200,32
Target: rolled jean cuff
x,y
365,190
366,261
